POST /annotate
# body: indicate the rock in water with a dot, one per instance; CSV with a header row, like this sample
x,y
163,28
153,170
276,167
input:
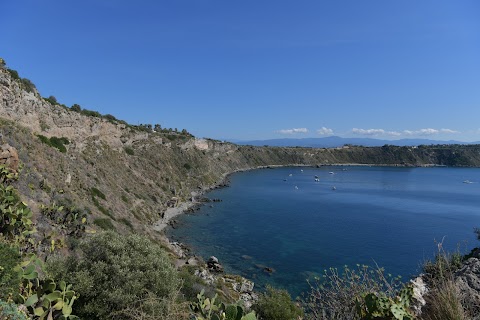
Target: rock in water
x,y
213,265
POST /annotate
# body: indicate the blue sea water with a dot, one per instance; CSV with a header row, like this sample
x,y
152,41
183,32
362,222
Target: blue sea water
x,y
389,216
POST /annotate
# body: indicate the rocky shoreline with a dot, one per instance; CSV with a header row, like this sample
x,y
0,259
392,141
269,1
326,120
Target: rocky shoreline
x,y
467,278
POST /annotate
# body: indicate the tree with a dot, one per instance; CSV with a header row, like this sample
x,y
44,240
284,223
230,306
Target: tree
x,y
76,108
52,100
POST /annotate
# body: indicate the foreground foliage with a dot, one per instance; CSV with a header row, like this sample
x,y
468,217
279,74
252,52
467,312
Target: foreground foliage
x,y
277,304
25,281
212,309
444,300
361,293
113,273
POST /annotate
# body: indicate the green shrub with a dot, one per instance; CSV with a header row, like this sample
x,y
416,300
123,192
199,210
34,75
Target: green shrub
x,y
51,100
91,113
15,217
110,117
76,108
55,142
14,74
187,166
277,304
104,223
10,311
9,278
127,222
28,85
97,193
129,151
112,273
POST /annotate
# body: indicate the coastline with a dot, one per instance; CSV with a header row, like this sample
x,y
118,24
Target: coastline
x,y
183,207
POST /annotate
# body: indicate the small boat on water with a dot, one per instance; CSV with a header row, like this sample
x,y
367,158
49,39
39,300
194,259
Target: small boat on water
x,y
331,172
296,188
290,175
467,181
316,179
334,188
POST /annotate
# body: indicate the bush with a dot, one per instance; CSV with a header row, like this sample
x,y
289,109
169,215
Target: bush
x,y
97,193
9,279
28,85
91,113
76,108
277,305
10,311
55,142
14,74
104,223
113,273
51,99
129,151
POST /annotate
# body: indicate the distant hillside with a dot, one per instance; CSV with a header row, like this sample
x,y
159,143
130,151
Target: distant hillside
x,y
334,142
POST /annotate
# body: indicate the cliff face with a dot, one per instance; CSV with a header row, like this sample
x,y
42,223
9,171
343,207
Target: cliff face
x,y
141,173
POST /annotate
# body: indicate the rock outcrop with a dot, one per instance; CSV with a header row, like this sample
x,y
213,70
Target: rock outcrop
x,y
9,157
213,265
467,280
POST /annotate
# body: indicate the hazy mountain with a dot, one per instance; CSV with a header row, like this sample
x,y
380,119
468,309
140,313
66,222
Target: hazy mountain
x,y
334,141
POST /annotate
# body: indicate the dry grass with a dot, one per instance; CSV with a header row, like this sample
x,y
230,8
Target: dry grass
x,y
333,297
444,302
444,299
154,308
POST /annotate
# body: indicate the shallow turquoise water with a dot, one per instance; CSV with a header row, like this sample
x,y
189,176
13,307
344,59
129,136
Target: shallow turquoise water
x,y
299,227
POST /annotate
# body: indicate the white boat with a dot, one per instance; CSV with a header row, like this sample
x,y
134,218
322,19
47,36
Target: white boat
x,y
331,172
316,179
467,181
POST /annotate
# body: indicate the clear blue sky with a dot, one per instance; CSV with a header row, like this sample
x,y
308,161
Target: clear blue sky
x,y
255,69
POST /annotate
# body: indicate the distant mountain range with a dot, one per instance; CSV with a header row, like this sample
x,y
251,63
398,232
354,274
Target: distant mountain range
x,y
334,141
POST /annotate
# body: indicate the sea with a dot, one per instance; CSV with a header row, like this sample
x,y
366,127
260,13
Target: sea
x,y
300,221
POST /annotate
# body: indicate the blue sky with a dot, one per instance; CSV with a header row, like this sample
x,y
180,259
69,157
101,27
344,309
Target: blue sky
x,y
258,69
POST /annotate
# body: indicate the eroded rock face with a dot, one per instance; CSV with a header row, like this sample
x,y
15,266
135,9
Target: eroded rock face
x,y
419,290
467,279
9,157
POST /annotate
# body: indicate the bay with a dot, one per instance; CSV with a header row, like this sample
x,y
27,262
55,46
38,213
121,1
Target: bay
x,y
281,218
